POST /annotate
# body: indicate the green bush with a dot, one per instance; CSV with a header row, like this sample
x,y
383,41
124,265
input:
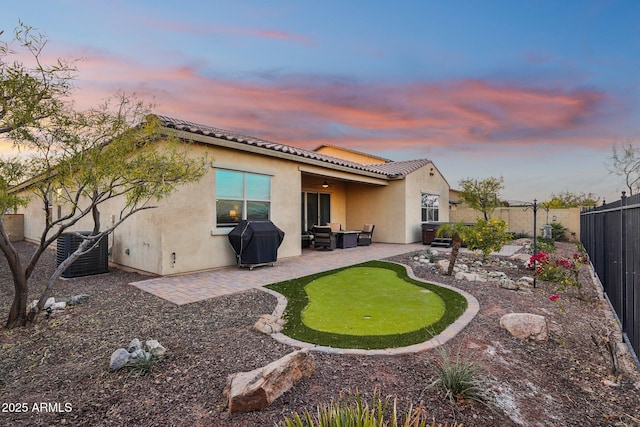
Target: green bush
x,y
487,236
543,244
351,410
558,232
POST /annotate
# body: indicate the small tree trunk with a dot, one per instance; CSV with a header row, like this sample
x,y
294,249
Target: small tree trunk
x,y
454,256
18,311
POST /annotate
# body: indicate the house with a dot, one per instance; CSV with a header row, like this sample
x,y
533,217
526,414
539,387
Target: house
x,y
251,178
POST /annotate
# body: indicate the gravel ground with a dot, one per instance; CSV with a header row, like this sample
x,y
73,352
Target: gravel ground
x,y
63,361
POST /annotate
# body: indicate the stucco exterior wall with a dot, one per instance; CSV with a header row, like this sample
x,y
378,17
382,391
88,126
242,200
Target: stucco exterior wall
x,y
520,220
181,234
421,181
383,206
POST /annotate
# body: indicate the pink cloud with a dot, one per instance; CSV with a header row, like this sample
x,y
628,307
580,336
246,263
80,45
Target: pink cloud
x,y
311,110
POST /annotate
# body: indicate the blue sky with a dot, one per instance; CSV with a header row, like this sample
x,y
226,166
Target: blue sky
x,y
534,91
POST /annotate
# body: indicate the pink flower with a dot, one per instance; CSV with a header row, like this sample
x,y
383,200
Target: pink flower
x,y
554,297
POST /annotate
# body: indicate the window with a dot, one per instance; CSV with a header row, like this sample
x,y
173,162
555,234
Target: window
x,y
241,195
430,204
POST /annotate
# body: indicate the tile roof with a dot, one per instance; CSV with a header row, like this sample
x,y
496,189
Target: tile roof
x,y
390,169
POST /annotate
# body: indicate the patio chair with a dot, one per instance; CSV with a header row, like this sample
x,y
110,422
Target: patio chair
x,y
323,237
365,236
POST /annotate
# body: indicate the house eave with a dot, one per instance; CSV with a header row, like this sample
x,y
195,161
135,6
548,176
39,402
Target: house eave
x,y
234,145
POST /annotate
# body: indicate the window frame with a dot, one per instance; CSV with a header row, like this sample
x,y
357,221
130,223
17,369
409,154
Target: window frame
x,y
244,200
429,212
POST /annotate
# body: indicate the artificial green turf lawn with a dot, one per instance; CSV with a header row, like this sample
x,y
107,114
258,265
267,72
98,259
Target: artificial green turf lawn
x,y
369,301
298,300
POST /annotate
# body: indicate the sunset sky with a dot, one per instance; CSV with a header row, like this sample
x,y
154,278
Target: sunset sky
x,y
534,91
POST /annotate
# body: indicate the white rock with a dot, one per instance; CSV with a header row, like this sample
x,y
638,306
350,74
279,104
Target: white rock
x,y
49,303
269,324
59,305
134,345
136,354
155,348
508,284
526,279
521,257
526,326
119,359
32,305
462,267
443,265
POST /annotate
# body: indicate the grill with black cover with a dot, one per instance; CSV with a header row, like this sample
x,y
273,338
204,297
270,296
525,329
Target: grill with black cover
x,y
255,243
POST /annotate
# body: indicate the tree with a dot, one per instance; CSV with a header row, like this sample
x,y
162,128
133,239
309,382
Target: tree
x,y
79,160
482,195
487,236
567,199
457,233
625,162
30,93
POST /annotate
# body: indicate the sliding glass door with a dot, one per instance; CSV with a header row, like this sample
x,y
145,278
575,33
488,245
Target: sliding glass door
x,y
316,209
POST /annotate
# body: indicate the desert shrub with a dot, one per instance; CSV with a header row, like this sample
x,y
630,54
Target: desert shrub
x,y
563,272
487,236
542,244
558,232
351,410
458,378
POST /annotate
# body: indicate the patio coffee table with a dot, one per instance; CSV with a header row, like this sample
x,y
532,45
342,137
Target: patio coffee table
x,y
346,239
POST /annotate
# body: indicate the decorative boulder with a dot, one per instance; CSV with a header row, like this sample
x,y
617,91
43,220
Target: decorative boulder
x,y
443,265
521,257
269,324
134,345
155,348
119,359
506,283
526,326
255,390
49,303
525,283
136,354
